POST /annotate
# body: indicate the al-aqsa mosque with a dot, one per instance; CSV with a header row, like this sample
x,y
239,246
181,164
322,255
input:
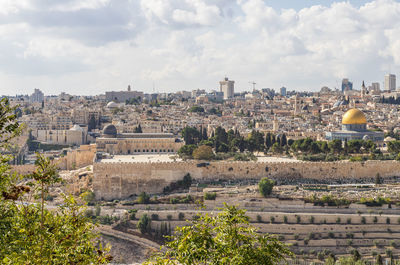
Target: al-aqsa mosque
x,y
354,127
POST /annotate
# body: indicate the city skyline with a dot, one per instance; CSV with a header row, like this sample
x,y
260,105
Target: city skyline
x,y
89,47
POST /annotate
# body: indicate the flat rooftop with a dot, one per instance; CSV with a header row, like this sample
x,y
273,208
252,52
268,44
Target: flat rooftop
x,y
140,158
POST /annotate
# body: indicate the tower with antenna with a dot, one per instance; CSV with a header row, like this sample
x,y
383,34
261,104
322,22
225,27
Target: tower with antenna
x,y
254,85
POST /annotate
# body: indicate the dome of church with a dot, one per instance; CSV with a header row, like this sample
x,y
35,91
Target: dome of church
x,y
354,116
76,127
112,105
110,130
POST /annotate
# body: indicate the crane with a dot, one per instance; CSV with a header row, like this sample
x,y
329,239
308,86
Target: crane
x,y
254,85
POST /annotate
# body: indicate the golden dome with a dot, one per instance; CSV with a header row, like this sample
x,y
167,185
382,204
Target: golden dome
x,y
354,116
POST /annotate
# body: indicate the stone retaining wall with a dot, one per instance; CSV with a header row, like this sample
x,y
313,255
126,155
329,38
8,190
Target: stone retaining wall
x,y
122,180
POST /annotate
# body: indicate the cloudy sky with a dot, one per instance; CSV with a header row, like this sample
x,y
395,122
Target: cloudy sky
x,y
93,46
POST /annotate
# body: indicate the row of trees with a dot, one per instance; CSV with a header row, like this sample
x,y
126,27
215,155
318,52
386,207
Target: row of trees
x,y
223,141
390,100
228,141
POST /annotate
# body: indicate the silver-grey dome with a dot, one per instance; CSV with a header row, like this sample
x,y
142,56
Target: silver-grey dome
x,y
110,130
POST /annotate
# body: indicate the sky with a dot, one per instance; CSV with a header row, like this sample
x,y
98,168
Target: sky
x,y
87,47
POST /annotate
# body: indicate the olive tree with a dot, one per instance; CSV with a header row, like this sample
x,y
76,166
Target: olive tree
x,y
265,186
224,238
30,233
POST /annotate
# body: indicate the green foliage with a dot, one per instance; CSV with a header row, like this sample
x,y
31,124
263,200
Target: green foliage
x,y
31,234
226,238
185,199
210,195
9,126
330,200
363,220
357,159
196,109
276,148
185,183
245,157
371,202
203,152
88,197
394,147
138,129
144,224
132,214
191,135
187,150
181,216
378,179
97,210
265,186
143,198
133,101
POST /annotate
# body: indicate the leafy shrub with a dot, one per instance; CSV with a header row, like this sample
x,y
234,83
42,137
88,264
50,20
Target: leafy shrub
x,y
181,216
97,210
259,218
311,219
132,214
143,198
185,183
154,216
285,219
144,224
88,197
210,195
89,213
272,219
363,220
265,186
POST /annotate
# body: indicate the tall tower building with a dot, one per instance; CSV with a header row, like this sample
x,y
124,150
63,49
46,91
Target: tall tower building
x,y
296,105
227,87
346,85
390,82
363,90
283,91
275,125
37,96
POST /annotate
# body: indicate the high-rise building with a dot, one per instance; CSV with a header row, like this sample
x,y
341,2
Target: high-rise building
x,y
227,87
346,85
375,87
37,96
390,82
283,91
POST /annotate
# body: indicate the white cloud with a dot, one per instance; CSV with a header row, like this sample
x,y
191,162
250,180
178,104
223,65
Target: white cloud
x,y
187,44
182,12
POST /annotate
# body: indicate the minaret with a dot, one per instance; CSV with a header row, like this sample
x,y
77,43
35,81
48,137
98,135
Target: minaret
x,y
363,90
296,105
275,126
129,87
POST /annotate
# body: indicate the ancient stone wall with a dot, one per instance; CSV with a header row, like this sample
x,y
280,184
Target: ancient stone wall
x,y
122,180
81,157
23,169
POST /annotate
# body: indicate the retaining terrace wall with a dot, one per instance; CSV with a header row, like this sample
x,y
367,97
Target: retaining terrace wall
x,y
121,180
